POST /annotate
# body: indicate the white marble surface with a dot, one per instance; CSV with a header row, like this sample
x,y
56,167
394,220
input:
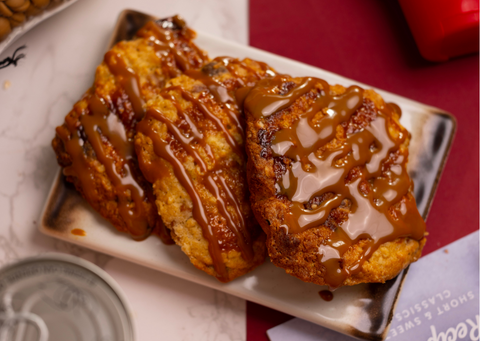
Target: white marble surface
x,y
61,56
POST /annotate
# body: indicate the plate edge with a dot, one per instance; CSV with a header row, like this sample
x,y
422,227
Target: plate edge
x,y
434,110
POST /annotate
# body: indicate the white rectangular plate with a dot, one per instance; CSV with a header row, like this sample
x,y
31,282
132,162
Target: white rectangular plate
x,y
362,311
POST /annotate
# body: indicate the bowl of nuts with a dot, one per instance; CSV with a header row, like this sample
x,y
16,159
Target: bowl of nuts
x,y
19,16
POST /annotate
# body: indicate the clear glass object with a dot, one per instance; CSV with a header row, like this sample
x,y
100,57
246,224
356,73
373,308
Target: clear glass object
x,y
59,297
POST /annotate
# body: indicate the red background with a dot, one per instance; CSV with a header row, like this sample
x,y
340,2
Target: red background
x,y
370,41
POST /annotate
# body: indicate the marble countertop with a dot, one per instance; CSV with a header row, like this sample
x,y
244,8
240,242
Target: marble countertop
x,y
35,95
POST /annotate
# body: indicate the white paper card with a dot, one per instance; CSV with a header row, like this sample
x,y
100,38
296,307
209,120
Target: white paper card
x,y
439,301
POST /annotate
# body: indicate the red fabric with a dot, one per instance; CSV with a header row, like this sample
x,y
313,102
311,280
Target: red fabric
x,y
260,319
370,41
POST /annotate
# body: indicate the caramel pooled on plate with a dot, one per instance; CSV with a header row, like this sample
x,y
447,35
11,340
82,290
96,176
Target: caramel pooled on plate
x,y
327,172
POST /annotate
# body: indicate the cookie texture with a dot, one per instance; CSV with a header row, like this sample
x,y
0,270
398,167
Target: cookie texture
x,y
190,146
95,143
305,251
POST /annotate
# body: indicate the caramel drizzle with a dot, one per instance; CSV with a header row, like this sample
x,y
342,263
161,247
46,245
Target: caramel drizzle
x,y
165,43
128,80
188,136
98,123
222,95
229,62
314,173
231,98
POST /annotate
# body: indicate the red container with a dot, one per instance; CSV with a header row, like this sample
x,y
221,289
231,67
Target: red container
x,y
443,29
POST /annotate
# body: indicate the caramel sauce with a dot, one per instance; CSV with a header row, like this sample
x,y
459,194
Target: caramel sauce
x,y
110,124
230,63
162,231
367,158
102,126
221,94
232,99
126,80
98,124
78,232
326,295
186,137
186,55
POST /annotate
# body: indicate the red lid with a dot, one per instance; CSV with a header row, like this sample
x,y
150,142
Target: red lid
x,y
443,28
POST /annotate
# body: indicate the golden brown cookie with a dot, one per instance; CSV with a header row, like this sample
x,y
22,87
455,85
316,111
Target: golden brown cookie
x,y
328,181
95,144
190,145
